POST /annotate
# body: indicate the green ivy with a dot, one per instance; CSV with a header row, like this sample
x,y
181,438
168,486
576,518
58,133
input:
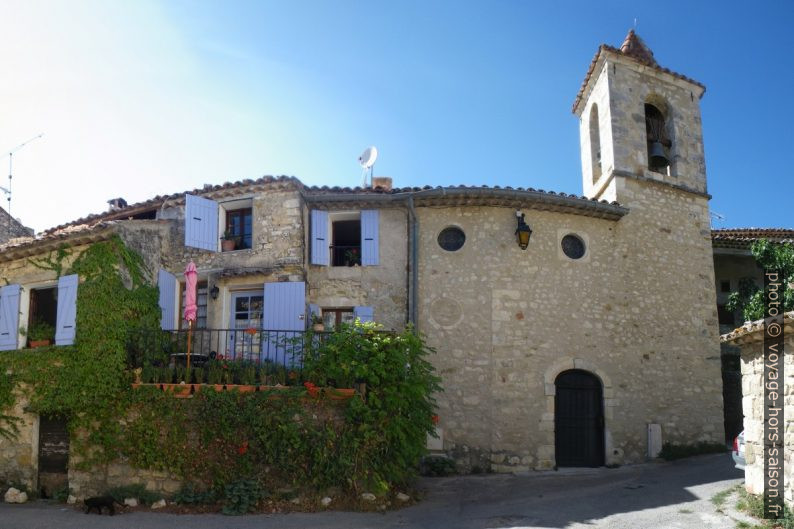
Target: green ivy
x,y
749,297
220,441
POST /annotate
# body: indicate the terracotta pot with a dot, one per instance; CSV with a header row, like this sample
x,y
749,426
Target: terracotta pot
x,y
227,245
340,393
39,343
181,390
219,387
318,327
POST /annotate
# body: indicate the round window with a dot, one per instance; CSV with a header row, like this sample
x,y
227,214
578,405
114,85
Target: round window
x,y
573,246
451,239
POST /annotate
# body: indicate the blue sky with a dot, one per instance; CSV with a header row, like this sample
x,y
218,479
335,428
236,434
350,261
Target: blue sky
x,y
143,98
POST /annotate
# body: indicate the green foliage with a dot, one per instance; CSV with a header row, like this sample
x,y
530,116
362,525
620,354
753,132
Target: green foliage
x,y
242,496
54,261
137,491
224,439
672,451
41,330
8,423
749,298
192,494
61,495
438,466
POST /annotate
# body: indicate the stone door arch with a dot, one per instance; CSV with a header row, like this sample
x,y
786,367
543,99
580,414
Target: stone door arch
x,y
578,419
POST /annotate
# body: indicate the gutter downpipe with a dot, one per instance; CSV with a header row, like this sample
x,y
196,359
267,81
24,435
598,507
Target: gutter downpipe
x,y
414,277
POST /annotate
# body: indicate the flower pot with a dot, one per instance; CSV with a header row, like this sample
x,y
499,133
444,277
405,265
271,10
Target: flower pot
x,y
218,387
340,393
39,343
244,388
227,245
318,327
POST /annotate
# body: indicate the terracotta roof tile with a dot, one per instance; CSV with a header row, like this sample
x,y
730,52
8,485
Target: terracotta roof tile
x,y
745,237
633,47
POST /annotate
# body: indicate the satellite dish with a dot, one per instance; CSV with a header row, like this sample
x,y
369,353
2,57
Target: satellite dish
x,y
368,157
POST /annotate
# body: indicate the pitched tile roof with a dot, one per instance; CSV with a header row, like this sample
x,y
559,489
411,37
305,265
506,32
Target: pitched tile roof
x,y
745,237
635,48
753,331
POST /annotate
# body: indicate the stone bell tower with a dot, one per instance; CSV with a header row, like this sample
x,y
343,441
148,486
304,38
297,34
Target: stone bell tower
x,y
638,120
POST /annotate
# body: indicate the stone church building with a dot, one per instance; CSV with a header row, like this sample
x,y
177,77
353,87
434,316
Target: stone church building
x,y
569,330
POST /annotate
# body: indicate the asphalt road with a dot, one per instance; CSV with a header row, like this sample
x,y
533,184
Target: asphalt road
x,y
655,495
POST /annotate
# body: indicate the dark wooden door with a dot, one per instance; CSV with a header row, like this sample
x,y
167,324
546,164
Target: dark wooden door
x,y
578,420
53,454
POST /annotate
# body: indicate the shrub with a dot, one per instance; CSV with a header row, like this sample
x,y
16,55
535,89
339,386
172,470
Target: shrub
x,y
133,491
191,494
242,496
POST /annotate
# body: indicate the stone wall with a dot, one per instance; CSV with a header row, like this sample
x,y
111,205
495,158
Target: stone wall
x,y
638,310
383,287
751,340
19,456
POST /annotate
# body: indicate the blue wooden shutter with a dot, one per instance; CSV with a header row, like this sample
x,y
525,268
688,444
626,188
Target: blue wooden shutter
x,y
320,252
9,317
369,237
364,314
284,310
201,223
65,322
285,306
166,282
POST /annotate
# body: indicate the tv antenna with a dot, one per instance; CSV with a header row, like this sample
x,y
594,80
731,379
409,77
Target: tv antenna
x,y
10,154
367,162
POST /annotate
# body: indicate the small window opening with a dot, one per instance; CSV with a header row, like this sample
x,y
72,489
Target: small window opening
x,y
595,144
658,141
346,242
239,228
334,318
725,286
42,315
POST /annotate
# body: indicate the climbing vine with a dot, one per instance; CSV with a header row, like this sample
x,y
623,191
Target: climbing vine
x,y
217,438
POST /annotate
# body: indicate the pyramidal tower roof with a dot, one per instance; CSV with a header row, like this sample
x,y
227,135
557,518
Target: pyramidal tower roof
x,y
633,46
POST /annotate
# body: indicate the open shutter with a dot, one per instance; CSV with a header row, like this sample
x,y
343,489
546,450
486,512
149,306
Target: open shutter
x,y
283,321
201,223
166,282
369,237
320,252
9,317
364,314
65,322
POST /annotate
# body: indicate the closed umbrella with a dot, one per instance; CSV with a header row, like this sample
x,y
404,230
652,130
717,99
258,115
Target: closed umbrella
x,y
190,306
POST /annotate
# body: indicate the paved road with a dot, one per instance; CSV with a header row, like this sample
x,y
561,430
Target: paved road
x,y
656,495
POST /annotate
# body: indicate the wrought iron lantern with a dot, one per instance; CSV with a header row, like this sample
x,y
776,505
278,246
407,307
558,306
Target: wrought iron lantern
x,y
523,231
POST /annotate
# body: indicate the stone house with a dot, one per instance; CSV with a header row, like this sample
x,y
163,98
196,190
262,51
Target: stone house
x,y
733,263
749,339
588,342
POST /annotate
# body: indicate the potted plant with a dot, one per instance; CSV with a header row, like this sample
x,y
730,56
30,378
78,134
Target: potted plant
x,y
228,241
317,323
215,375
352,257
247,374
198,375
40,334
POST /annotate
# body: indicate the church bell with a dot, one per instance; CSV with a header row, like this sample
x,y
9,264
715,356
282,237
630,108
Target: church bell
x,y
658,158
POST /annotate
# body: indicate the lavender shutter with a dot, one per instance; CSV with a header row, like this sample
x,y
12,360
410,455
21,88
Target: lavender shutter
x,y
201,223
65,322
9,317
284,310
320,252
369,237
364,314
167,284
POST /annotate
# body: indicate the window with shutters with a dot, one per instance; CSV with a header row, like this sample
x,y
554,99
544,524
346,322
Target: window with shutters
x,y
42,314
345,240
239,228
334,317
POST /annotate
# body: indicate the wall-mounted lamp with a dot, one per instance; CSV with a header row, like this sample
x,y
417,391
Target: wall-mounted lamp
x,y
523,231
214,291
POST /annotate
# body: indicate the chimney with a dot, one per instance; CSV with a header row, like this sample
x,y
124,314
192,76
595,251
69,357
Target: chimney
x,y
382,182
116,204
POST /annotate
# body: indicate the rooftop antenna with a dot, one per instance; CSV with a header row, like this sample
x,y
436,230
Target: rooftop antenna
x,y
716,217
367,162
7,190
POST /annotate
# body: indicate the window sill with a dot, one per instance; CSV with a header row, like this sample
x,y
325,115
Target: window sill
x,y
236,251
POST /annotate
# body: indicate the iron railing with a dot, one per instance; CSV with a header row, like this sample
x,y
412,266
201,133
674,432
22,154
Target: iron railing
x,y
264,347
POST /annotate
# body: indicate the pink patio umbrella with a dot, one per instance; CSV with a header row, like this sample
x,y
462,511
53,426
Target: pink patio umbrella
x,y
190,305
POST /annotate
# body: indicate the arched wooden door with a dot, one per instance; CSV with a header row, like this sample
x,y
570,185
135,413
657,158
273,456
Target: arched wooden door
x,y
578,420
